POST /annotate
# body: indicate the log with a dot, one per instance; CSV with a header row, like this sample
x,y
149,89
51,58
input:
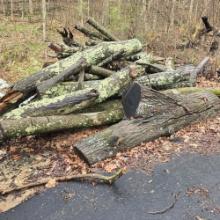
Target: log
x,y
107,113
111,58
93,56
59,105
101,29
67,52
184,76
106,88
89,33
89,76
99,71
153,67
55,47
158,115
72,70
67,103
68,87
188,90
81,79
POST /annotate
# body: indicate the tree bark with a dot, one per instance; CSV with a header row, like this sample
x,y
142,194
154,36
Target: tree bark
x,y
92,55
44,14
188,90
161,115
99,71
89,33
107,113
182,77
101,29
72,70
59,105
111,58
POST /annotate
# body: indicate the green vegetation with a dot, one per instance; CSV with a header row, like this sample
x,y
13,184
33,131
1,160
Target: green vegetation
x,y
22,50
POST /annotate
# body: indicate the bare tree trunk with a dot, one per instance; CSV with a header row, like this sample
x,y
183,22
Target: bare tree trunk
x,y
3,7
44,13
31,7
88,8
22,10
12,9
172,15
191,10
81,11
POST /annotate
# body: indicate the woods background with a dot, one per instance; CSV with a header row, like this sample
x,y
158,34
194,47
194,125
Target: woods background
x,y
161,24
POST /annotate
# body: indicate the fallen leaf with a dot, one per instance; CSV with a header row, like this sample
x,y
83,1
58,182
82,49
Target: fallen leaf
x,y
51,183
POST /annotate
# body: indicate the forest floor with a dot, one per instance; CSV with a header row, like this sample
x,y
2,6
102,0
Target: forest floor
x,y
22,53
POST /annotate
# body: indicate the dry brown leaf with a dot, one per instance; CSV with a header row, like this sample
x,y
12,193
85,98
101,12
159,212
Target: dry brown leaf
x,y
51,183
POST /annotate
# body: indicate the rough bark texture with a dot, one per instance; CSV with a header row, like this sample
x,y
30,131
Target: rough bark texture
x,y
59,105
113,57
89,33
72,70
188,90
101,29
68,87
181,77
160,81
106,88
99,71
92,56
160,114
107,113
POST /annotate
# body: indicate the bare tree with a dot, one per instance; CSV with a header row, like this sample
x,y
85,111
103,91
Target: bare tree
x,y
44,14
31,11
3,7
12,9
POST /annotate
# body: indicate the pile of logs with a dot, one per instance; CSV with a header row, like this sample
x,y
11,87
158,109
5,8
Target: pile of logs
x,y
103,82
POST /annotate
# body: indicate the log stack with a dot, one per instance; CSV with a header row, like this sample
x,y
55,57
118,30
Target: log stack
x,y
106,81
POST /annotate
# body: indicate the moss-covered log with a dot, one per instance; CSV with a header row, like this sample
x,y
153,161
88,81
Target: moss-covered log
x,y
67,87
184,76
90,34
99,71
158,115
92,55
101,29
113,57
60,105
72,70
188,90
107,113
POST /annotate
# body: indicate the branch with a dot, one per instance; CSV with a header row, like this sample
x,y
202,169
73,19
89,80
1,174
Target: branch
x,y
92,177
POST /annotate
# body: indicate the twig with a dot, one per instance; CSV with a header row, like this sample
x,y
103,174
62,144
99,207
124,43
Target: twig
x,y
167,208
93,177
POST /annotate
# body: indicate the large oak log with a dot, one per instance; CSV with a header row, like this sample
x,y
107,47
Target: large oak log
x,y
159,115
106,113
92,55
60,105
